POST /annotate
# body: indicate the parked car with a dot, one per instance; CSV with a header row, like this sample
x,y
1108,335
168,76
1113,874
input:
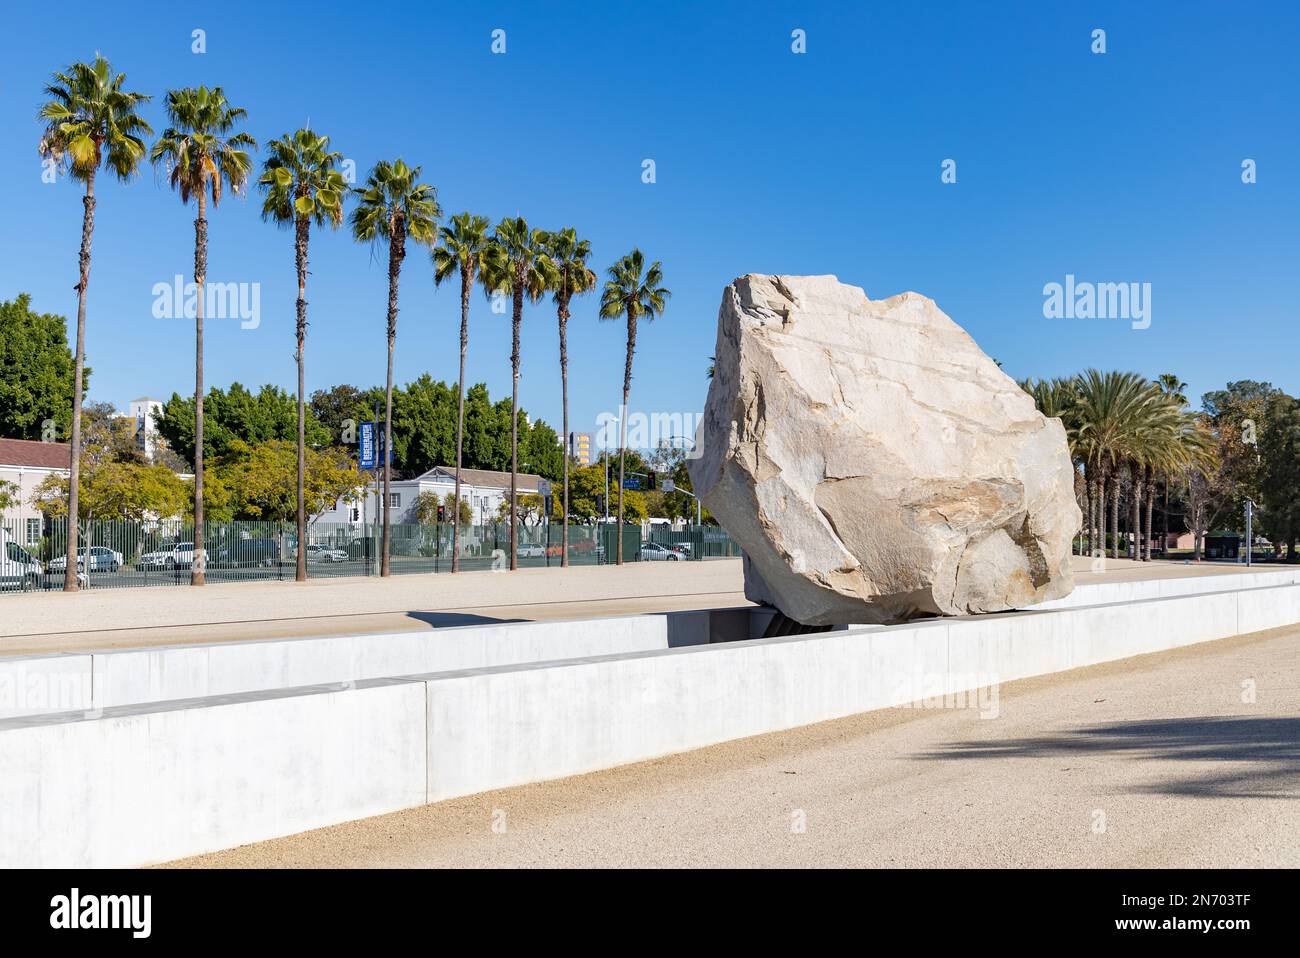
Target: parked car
x,y
319,553
154,560
654,552
102,559
182,556
531,550
18,569
250,552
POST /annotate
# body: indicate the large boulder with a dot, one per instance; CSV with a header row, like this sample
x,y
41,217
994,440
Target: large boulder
x,y
873,464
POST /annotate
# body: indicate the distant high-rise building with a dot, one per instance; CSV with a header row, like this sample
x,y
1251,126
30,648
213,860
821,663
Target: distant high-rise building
x,y
144,413
580,448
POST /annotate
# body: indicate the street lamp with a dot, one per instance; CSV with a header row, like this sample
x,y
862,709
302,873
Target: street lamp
x,y
699,521
617,419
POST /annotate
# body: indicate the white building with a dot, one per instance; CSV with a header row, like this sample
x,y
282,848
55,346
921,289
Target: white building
x,y
144,413
25,463
482,489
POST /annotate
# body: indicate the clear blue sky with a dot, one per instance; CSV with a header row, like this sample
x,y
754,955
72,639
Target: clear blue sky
x,y
1122,167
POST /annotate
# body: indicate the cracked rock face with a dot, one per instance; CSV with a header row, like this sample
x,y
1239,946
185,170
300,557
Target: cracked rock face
x,y
873,463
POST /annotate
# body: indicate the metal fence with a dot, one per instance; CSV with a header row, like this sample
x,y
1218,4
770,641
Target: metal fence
x,y
120,554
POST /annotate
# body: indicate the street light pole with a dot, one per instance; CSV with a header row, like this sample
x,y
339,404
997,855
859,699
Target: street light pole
x,y
1250,537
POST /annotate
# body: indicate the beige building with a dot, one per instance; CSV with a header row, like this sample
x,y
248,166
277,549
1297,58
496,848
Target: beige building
x,y
25,463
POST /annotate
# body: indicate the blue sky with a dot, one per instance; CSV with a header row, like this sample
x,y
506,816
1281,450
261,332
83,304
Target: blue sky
x,y
1121,167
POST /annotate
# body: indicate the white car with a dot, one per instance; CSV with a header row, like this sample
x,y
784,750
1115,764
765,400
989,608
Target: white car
x,y
531,550
102,559
319,553
154,560
182,556
17,567
654,552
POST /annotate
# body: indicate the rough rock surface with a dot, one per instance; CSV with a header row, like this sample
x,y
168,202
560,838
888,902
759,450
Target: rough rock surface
x,y
873,463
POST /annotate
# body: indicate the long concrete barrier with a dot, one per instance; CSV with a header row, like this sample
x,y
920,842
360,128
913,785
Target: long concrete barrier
x,y
145,783
31,685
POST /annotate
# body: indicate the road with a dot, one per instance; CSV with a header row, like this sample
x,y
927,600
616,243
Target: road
x,y
1154,761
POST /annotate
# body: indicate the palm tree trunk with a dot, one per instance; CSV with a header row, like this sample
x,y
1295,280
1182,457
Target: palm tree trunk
x,y
1164,546
1135,521
518,318
73,530
396,253
563,310
622,445
199,566
1114,515
303,227
1151,505
460,412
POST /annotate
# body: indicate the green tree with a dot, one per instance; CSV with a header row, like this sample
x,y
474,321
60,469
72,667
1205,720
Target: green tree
x,y
90,121
260,480
202,157
340,409
460,252
516,264
302,188
394,206
631,291
1279,479
234,415
570,276
36,371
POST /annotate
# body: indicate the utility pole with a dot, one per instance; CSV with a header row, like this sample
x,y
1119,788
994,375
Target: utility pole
x,y
1250,536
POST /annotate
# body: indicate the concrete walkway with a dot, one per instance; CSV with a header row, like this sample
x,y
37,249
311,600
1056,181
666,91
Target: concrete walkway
x,y
1188,758
115,618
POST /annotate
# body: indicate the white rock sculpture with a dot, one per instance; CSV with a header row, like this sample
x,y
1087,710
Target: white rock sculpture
x,y
875,465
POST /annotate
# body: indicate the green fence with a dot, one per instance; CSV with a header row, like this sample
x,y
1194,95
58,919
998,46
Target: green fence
x,y
123,554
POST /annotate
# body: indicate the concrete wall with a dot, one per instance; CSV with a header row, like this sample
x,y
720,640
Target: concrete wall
x,y
52,683
153,782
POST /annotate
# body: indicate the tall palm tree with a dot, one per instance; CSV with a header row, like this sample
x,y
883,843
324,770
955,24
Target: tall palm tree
x,y
1175,390
460,252
90,121
302,187
632,291
202,157
394,206
516,264
1059,399
570,277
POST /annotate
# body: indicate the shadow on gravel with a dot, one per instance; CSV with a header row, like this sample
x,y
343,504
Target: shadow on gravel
x,y
1270,746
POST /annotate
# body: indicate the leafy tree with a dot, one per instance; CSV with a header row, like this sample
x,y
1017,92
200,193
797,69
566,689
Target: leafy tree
x,y
202,157
260,480
340,409
1279,476
632,291
302,187
9,494
36,371
394,206
237,415
90,122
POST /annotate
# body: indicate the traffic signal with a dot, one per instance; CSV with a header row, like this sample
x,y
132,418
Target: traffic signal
x,y
600,502
650,480
442,512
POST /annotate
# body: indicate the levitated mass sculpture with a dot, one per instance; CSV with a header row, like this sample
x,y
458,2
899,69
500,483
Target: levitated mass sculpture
x,y
873,464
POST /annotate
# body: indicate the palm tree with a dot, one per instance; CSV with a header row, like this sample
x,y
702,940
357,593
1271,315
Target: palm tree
x,y
202,157
1110,408
394,206
302,187
632,291
571,276
1059,399
1175,390
516,264
89,121
460,252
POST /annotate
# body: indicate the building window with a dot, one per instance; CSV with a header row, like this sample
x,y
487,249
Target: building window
x,y
33,532
394,500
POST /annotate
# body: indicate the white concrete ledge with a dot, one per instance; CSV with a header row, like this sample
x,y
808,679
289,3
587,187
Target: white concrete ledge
x,y
146,783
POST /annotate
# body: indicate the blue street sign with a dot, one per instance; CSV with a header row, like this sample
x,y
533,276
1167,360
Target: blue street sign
x,y
366,444
631,482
